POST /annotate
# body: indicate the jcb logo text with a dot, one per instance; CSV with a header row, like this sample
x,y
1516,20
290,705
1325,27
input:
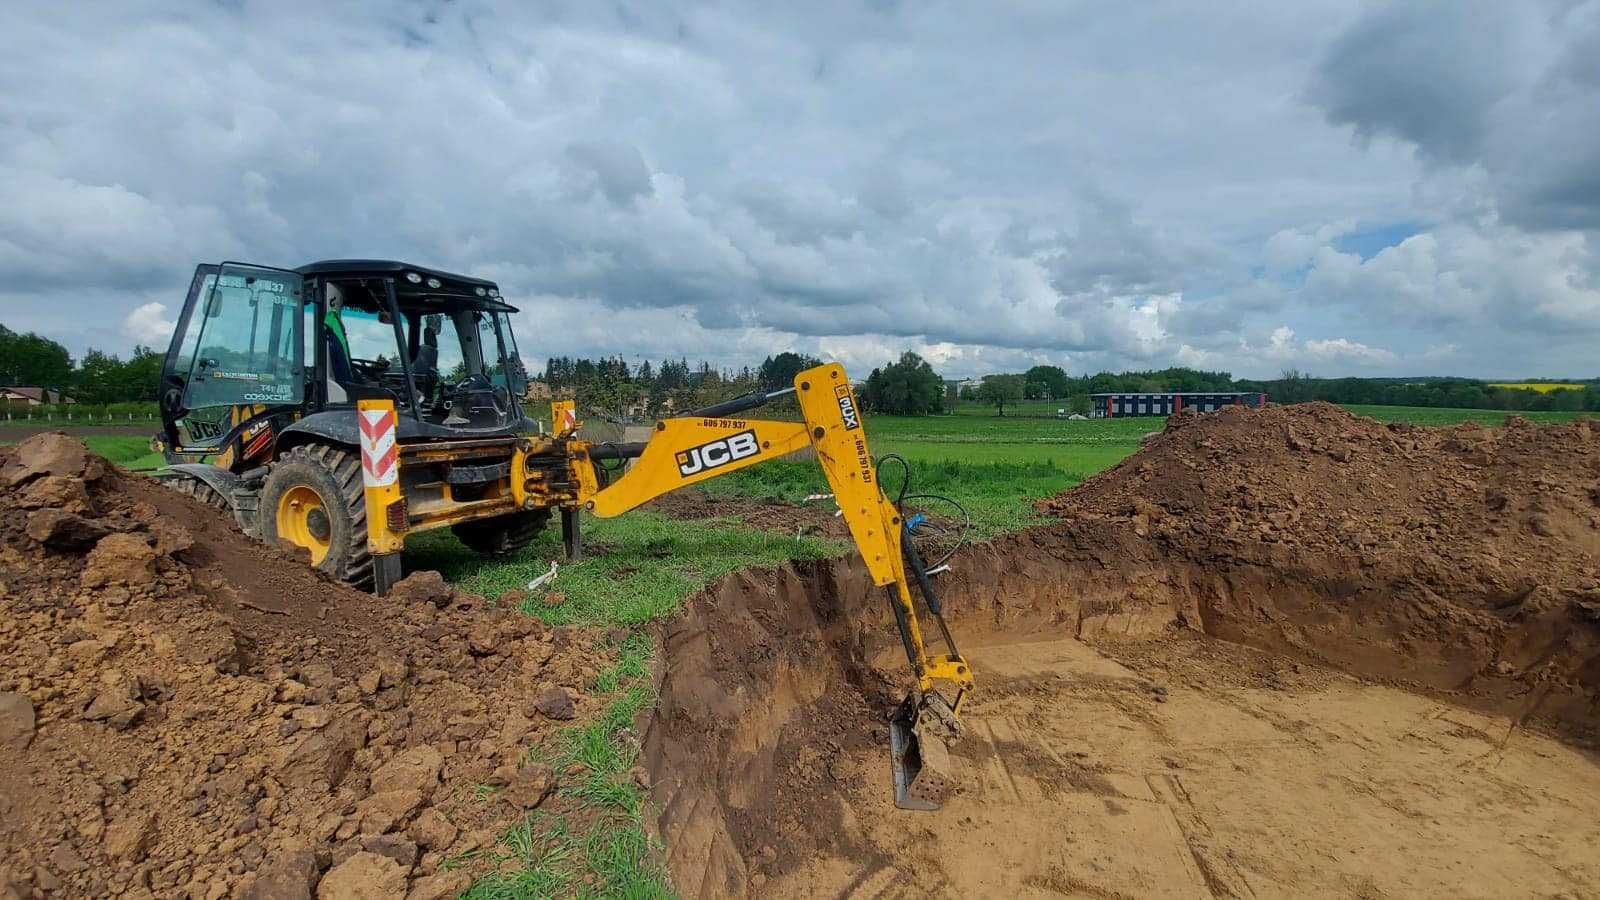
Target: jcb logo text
x,y
847,408
717,453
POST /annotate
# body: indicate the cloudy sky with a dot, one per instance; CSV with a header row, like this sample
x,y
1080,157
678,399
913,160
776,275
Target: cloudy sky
x,y
1344,187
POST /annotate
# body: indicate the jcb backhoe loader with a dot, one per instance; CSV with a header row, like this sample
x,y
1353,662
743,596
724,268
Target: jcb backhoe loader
x,y
343,405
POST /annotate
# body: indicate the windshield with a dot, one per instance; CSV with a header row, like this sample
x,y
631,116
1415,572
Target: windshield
x,y
371,335
247,344
463,349
504,367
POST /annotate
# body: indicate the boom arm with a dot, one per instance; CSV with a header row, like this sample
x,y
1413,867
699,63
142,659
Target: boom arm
x,y
713,442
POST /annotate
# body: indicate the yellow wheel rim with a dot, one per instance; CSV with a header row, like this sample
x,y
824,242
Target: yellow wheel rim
x,y
303,521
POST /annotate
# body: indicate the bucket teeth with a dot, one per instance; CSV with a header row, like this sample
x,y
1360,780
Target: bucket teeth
x,y
924,776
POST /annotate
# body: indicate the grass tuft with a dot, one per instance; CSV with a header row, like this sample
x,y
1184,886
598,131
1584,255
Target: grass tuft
x,y
613,856
633,661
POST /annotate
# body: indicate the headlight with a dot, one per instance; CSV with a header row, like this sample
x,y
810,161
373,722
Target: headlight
x,y
495,293
414,278
433,283
480,292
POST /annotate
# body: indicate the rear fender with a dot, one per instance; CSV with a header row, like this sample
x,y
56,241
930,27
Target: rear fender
x,y
239,492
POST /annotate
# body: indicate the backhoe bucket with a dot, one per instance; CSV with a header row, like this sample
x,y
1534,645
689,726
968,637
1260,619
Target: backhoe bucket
x,y
923,774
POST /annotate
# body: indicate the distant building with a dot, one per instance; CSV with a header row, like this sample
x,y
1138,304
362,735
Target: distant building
x,y
1110,406
31,396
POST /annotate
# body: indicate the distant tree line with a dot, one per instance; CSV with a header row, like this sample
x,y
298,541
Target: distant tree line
x,y
612,388
907,386
31,360
1047,382
1293,386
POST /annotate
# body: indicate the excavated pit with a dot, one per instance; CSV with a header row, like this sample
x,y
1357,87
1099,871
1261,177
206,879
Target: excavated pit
x,y
1392,692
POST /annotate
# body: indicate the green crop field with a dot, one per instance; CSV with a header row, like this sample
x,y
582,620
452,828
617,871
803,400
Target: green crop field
x,y
1079,447
1430,415
1033,408
129,452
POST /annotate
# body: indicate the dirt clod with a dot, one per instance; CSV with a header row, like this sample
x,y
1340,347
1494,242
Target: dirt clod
x,y
364,876
290,876
531,785
416,770
16,720
62,530
129,840
52,453
422,587
555,703
440,886
432,830
120,558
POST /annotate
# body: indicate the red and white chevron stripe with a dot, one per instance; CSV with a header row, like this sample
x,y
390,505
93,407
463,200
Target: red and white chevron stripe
x,y
378,451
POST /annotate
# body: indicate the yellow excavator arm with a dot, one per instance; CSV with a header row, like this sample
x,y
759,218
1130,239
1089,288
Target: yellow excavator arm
x,y
716,441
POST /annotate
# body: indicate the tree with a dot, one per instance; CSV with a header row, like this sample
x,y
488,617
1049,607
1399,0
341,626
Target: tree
x,y
909,387
779,371
1045,383
33,361
99,378
1000,390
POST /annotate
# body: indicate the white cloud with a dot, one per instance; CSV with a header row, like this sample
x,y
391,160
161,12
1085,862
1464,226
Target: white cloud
x,y
1344,349
1282,347
148,325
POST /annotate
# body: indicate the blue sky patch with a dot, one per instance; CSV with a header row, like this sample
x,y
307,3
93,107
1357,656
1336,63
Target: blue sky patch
x,y
1369,242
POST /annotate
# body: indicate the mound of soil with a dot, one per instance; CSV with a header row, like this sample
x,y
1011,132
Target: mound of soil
x,y
1458,563
184,712
1464,559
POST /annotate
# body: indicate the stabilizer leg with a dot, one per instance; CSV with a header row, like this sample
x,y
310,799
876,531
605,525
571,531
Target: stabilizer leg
x,y
571,535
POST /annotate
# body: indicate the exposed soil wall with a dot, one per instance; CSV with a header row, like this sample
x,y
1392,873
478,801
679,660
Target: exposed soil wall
x,y
1455,562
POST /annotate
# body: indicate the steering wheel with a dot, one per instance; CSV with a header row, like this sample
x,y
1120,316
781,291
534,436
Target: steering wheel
x,y
476,383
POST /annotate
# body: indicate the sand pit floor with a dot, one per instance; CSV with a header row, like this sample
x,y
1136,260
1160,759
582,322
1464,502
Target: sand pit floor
x,y
1188,767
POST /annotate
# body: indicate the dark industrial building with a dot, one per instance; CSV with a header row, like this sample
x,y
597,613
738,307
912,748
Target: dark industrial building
x,y
1118,405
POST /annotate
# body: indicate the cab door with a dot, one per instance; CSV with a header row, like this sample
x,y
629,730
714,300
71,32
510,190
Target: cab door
x,y
240,344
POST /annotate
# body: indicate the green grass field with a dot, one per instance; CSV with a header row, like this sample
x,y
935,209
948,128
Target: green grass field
x,y
1034,408
1428,415
1073,449
636,567
128,452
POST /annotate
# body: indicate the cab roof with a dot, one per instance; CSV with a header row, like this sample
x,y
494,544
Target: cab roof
x,y
373,268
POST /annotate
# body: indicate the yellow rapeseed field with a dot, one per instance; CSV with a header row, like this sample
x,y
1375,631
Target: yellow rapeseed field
x,y
1543,387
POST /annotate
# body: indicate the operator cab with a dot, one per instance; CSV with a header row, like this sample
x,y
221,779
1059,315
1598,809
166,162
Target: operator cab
x,y
255,339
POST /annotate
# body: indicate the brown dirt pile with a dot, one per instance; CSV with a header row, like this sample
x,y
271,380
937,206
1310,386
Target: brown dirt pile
x,y
1464,559
186,713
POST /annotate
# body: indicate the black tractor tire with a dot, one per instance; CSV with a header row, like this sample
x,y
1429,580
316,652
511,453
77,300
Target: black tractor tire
x,y
504,535
334,474
194,487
